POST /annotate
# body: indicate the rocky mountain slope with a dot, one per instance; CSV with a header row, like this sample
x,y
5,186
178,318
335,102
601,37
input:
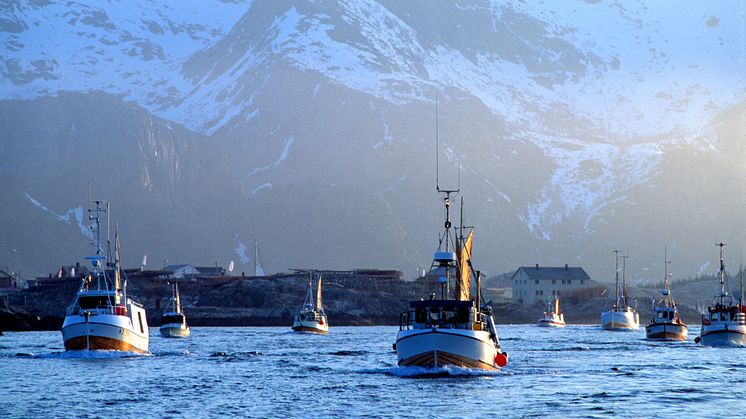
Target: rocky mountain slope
x,y
310,126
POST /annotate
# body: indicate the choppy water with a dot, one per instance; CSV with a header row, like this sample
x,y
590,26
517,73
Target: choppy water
x,y
272,372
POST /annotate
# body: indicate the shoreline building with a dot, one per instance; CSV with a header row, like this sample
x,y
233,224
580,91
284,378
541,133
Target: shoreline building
x,y
537,284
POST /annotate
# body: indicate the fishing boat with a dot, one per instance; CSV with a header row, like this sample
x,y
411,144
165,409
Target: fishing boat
x,y
454,330
666,323
102,316
173,321
311,317
724,323
552,316
621,316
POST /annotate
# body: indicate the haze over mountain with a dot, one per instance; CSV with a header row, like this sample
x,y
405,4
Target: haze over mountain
x,y
578,128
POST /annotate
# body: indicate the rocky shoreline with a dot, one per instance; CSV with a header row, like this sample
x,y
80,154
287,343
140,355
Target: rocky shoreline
x,y
272,301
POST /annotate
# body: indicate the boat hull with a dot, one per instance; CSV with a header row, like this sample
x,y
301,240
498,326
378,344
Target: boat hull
x,y
723,335
174,331
103,332
666,331
549,323
432,348
620,320
311,327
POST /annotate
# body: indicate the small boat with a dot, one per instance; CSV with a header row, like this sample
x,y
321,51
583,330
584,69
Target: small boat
x,y
666,322
311,317
724,324
173,321
102,316
621,316
552,317
455,330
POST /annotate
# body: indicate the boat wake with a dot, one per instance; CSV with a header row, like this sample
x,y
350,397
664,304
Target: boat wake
x,y
234,356
97,354
422,372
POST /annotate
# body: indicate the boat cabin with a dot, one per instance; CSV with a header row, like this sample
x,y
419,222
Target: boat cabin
x,y
725,313
172,318
666,315
454,314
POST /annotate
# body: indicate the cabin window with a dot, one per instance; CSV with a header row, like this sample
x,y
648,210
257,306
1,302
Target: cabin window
x,y
171,319
541,292
713,316
139,317
660,315
94,302
434,314
569,282
536,281
582,282
554,281
420,315
462,314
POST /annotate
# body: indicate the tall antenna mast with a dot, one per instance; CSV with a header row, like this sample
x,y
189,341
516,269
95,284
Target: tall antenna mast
x,y
721,273
666,262
616,279
624,278
437,147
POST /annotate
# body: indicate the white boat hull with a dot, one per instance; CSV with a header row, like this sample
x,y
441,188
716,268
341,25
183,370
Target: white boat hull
x,y
550,323
620,320
433,348
666,331
310,326
104,332
723,335
174,331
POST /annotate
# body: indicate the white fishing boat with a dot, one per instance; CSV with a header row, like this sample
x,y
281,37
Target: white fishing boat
x,y
455,330
102,316
173,321
552,317
311,317
666,323
621,316
724,324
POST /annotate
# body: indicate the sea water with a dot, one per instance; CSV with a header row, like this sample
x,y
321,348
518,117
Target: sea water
x,y
274,372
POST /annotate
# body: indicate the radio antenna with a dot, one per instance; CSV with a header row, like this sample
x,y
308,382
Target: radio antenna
x,y
437,147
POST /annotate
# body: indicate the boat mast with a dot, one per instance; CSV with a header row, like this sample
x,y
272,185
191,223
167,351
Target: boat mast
x,y
177,300
624,280
99,271
740,299
616,269
721,274
447,195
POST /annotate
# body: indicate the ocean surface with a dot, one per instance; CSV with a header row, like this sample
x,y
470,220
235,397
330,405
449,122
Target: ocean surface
x,y
578,371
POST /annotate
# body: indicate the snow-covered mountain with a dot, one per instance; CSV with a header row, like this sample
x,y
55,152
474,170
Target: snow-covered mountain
x,y
578,127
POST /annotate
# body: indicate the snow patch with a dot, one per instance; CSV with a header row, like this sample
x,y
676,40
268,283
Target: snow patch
x,y
261,187
67,217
